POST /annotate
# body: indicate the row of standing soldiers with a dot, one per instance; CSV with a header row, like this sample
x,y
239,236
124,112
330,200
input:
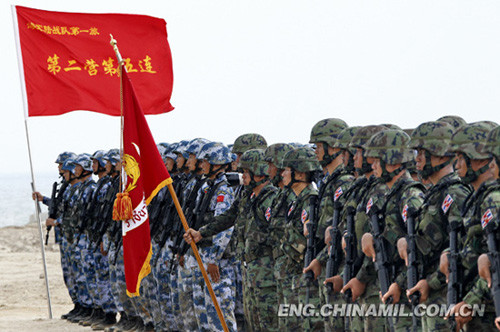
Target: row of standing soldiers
x,y
371,215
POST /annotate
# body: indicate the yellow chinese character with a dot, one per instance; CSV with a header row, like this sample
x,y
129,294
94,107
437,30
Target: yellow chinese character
x,y
129,66
108,67
91,67
75,30
39,27
71,63
53,64
65,31
56,30
47,29
93,31
31,25
147,65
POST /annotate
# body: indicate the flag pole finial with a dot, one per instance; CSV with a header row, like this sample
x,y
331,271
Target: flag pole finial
x,y
115,48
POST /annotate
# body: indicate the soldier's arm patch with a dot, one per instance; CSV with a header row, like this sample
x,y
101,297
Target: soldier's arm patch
x,y
448,200
303,216
369,205
220,198
487,217
404,214
268,213
338,193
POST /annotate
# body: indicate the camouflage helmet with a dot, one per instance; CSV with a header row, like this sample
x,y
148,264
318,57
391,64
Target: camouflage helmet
x,y
275,153
84,161
181,149
433,136
169,153
215,153
453,120
492,144
113,156
69,165
344,139
327,131
195,145
61,158
248,141
302,160
99,156
254,161
363,134
391,146
470,139
162,147
391,126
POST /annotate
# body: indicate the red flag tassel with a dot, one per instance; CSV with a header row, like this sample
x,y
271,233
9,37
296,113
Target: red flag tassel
x,y
117,207
126,207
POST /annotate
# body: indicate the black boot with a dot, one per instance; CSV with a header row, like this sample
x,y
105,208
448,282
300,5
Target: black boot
x,y
97,315
84,314
71,312
108,321
124,320
77,312
135,323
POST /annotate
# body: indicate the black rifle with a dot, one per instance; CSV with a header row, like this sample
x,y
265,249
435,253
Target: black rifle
x,y
166,229
52,210
456,273
413,275
382,263
335,256
311,243
494,256
350,251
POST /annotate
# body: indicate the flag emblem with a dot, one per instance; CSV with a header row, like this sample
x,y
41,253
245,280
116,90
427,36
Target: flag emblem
x,y
220,198
369,205
487,217
338,193
268,213
291,209
448,200
303,216
404,214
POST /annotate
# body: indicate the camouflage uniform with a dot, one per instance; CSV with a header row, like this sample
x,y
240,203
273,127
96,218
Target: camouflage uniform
x,y
405,195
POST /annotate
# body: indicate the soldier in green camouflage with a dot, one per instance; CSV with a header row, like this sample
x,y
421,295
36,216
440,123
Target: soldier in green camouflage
x,y
300,164
362,286
442,207
336,180
391,152
274,156
475,162
246,142
342,142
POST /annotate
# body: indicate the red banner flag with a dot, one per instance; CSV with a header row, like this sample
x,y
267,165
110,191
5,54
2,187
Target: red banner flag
x,y
146,175
69,65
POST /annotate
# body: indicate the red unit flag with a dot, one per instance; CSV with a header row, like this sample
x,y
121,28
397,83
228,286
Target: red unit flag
x,y
146,175
68,64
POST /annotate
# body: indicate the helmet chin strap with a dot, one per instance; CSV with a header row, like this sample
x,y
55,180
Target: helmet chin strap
x,y
365,168
429,169
254,183
294,180
388,176
327,158
472,175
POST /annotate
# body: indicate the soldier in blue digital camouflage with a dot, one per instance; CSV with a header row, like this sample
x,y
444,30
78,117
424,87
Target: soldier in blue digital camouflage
x,y
214,198
57,206
441,208
473,166
335,181
362,287
391,152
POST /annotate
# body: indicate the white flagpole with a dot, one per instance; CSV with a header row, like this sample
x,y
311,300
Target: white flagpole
x,y
25,105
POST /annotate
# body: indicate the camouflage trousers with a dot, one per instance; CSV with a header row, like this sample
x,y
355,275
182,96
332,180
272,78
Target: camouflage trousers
x,y
89,266
149,289
279,275
262,292
251,318
224,290
69,278
238,305
332,323
106,299
290,296
117,280
436,323
300,286
79,267
185,292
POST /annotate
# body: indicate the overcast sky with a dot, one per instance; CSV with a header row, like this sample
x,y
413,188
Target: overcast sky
x,y
277,67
